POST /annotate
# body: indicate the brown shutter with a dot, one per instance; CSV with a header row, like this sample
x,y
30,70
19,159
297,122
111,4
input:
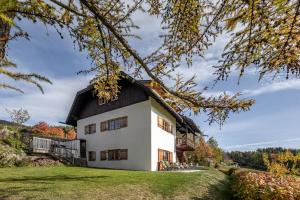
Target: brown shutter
x,y
103,155
170,157
160,155
86,129
93,128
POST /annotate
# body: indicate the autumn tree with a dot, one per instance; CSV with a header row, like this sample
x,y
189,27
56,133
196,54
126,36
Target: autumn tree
x,y
71,134
282,163
203,153
43,128
264,34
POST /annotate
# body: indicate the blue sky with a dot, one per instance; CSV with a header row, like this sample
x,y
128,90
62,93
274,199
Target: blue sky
x,y
272,121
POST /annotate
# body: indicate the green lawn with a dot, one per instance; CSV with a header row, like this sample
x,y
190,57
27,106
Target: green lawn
x,y
88,183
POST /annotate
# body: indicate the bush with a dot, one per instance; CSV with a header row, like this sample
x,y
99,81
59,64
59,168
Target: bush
x,y
9,156
265,186
26,161
14,140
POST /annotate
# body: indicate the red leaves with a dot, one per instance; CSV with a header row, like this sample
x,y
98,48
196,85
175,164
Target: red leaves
x,y
43,128
260,185
71,134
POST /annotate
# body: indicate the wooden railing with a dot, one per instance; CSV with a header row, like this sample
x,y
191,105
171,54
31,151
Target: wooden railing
x,y
185,141
66,151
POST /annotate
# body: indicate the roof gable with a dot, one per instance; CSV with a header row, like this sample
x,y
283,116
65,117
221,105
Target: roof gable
x,y
85,102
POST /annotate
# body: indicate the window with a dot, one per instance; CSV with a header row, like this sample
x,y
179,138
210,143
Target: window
x,y
92,155
164,155
118,154
102,101
103,155
112,154
165,125
114,124
89,129
123,154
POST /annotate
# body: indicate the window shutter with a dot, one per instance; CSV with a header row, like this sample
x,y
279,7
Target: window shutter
x,y
103,155
160,155
104,126
170,157
93,128
86,130
124,122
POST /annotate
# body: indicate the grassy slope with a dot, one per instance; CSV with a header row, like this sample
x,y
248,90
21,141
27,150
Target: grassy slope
x,y
87,183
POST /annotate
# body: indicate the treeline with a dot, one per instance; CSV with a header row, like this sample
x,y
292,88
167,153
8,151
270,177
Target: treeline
x,y
254,159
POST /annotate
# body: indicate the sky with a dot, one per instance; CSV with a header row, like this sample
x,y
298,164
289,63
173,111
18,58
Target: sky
x,y
271,122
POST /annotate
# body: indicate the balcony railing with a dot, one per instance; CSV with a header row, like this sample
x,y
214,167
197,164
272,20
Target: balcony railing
x,y
185,142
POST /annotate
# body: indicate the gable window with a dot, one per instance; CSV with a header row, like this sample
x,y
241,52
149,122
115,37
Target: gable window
x,y
92,155
165,125
114,124
102,101
90,129
103,155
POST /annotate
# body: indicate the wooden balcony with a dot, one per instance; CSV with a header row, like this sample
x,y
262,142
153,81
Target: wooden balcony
x,y
185,144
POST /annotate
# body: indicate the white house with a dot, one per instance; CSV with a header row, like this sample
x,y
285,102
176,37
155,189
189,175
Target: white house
x,y
135,131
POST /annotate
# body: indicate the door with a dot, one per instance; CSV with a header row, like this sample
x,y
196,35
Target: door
x,y
82,148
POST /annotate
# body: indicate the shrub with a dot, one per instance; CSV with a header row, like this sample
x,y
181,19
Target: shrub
x,y
14,140
9,156
265,186
26,161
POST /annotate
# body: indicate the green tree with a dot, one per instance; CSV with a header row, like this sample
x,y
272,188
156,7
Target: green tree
x,y
264,34
217,151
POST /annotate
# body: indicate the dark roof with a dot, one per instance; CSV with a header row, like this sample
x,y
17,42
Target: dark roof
x,y
182,121
191,123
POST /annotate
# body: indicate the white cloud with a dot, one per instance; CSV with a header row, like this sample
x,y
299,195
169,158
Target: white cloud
x,y
273,87
261,144
51,107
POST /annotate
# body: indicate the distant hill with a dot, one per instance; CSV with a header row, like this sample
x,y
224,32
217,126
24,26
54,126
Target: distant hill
x,y
7,123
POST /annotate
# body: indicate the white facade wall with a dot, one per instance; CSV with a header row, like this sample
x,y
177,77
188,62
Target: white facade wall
x,y
161,139
135,137
142,137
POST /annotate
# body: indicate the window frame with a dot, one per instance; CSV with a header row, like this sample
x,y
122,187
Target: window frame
x,y
90,156
90,129
103,155
164,124
102,101
116,154
114,124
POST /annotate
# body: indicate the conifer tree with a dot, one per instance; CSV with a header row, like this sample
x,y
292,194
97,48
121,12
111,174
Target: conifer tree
x,y
264,34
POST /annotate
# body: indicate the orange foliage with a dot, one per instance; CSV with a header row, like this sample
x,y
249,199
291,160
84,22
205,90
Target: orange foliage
x,y
71,134
258,185
44,129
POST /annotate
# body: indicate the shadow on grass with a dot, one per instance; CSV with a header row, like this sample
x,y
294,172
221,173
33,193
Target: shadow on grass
x,y
45,179
219,191
9,192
